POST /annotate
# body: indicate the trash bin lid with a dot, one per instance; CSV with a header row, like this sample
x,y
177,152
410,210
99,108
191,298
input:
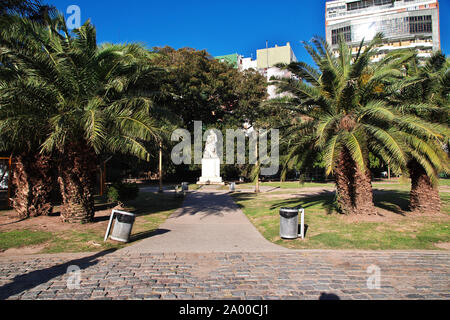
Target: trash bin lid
x,y
289,212
124,213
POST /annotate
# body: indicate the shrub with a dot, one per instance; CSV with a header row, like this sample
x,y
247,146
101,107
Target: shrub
x,y
123,192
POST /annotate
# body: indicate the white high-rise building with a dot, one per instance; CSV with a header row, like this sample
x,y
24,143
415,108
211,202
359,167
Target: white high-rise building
x,y
404,23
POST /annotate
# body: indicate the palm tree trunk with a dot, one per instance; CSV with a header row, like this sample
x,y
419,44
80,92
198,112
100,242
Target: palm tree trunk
x,y
32,180
363,193
344,183
424,197
353,187
77,176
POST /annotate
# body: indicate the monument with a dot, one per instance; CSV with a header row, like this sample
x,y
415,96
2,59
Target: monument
x,y
211,162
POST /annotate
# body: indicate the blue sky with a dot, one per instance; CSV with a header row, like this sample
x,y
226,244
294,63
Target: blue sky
x,y
220,27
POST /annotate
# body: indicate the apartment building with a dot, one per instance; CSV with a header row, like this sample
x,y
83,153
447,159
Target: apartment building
x,y
265,63
269,57
404,23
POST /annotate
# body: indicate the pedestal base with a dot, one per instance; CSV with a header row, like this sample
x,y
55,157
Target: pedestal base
x,y
211,172
208,183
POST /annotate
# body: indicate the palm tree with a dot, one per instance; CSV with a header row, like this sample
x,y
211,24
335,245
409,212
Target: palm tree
x,y
25,104
32,174
425,94
99,100
23,7
31,9
339,112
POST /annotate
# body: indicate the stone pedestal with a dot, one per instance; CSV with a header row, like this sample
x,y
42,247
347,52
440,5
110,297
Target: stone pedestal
x,y
211,172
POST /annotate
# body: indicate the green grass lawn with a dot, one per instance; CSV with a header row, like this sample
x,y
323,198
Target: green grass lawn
x,y
194,187
285,185
395,184
329,230
22,238
326,229
152,210
78,241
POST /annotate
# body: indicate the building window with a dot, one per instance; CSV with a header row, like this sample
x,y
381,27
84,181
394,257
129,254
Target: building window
x,y
382,2
362,4
358,5
420,24
346,31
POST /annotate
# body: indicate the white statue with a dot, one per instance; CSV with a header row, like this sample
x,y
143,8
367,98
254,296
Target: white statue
x,y
211,147
211,162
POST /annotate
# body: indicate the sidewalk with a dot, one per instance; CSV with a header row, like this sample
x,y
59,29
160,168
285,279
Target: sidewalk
x,y
298,275
208,222
209,250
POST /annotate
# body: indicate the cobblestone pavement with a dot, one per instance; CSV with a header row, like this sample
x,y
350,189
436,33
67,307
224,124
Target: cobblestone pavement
x,y
252,276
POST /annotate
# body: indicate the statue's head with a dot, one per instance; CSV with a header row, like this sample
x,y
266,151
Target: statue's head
x,y
212,137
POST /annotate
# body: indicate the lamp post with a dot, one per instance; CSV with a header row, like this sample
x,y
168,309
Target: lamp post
x,y
9,181
103,176
267,50
257,189
250,131
160,168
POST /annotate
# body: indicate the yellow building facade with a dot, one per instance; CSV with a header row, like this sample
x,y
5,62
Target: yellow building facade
x,y
267,58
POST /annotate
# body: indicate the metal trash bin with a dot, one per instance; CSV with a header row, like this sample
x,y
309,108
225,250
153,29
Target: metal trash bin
x,y
179,192
289,226
122,226
232,187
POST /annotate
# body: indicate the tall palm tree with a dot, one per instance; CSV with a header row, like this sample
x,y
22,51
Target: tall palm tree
x,y
34,10
338,111
98,100
22,7
425,94
25,103
32,171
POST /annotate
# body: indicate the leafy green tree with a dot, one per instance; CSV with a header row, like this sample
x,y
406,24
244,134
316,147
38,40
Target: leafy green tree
x,y
194,86
250,87
200,88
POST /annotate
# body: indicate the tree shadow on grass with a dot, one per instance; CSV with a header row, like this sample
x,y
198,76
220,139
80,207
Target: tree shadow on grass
x,y
14,222
323,200
146,204
392,200
104,206
242,196
33,279
100,219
